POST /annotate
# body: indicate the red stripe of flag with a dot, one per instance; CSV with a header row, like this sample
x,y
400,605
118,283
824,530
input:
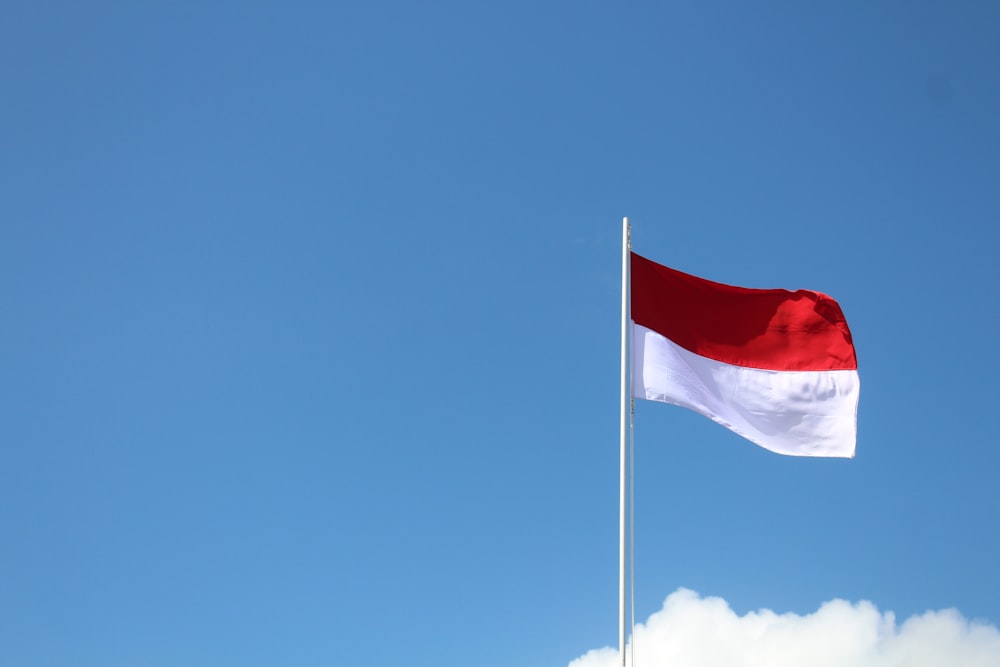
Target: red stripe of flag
x,y
772,329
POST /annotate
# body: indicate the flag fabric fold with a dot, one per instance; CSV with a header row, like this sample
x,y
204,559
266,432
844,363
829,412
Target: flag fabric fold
x,y
775,366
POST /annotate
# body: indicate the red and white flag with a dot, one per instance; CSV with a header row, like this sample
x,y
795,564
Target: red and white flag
x,y
776,367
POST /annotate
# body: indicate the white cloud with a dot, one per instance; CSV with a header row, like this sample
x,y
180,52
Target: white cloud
x,y
692,631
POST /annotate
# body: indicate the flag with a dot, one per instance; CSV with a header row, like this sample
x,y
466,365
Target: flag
x,y
775,366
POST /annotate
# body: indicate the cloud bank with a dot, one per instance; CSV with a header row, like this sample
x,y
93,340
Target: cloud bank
x,y
691,631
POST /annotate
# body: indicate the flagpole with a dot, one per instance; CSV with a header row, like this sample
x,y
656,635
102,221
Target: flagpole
x,y
626,247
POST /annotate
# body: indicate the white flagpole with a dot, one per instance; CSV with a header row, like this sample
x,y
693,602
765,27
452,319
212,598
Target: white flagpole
x,y
626,247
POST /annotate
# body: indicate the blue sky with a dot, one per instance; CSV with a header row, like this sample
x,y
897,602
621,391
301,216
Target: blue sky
x,y
309,348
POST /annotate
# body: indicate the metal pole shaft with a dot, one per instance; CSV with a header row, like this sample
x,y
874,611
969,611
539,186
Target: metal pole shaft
x,y
623,461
